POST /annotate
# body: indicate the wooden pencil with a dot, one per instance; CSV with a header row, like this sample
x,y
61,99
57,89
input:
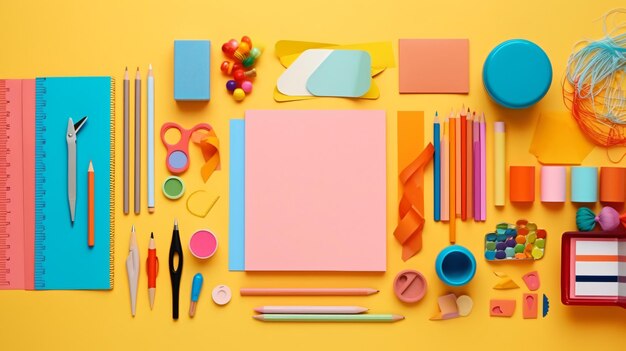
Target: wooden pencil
x,y
437,168
452,228
483,166
370,318
311,309
470,166
307,291
445,172
463,157
457,169
137,184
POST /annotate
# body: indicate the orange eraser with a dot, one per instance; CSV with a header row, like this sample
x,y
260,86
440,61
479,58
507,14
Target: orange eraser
x,y
501,308
529,305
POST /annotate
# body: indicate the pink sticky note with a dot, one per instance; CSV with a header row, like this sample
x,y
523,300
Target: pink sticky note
x,y
434,66
315,197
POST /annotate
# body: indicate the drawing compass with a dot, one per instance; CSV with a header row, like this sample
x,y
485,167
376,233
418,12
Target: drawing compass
x,y
72,131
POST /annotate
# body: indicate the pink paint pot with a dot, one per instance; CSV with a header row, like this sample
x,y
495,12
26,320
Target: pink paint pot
x,y
203,244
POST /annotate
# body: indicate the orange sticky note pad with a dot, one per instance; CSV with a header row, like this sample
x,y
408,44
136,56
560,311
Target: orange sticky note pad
x,y
434,66
501,308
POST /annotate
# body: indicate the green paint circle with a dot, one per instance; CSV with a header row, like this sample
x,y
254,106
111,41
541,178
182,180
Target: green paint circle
x,y
173,188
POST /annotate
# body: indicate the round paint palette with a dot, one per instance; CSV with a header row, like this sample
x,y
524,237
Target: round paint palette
x,y
203,244
519,242
173,188
410,286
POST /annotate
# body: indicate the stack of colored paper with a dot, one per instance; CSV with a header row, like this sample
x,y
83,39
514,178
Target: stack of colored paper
x,y
320,69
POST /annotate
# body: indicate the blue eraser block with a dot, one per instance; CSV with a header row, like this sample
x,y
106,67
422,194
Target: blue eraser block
x,y
192,59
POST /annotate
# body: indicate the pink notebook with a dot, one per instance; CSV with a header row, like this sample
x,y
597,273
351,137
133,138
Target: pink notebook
x,y
17,183
315,191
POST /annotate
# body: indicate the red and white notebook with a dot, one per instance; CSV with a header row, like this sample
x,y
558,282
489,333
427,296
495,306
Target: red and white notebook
x,y
17,183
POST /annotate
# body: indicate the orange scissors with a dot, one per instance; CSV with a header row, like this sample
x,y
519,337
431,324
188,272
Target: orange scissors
x,y
177,159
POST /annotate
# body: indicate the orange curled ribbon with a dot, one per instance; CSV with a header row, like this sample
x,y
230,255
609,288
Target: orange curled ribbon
x,y
209,144
411,208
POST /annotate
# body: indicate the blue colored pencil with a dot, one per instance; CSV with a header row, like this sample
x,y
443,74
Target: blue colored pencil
x,y
437,176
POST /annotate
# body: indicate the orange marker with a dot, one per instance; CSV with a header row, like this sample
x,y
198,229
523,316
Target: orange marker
x,y
453,179
152,265
90,206
464,165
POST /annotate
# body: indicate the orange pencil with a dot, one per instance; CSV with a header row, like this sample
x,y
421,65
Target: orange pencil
x,y
464,165
90,206
453,179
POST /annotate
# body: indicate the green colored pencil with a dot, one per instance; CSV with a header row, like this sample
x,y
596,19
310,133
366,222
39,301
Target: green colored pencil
x,y
367,318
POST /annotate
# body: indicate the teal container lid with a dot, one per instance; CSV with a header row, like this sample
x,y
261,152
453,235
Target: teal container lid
x,y
517,73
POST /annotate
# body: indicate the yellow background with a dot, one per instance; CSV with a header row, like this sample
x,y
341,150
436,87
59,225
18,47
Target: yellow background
x,y
52,38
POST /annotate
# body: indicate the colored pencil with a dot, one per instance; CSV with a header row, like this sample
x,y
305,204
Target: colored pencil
x,y
445,172
483,171
470,166
499,167
380,318
452,233
153,268
126,138
137,141
150,130
307,291
457,169
463,165
90,206
437,166
477,166
311,309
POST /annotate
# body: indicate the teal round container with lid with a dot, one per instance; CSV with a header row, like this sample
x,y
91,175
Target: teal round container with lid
x,y
517,73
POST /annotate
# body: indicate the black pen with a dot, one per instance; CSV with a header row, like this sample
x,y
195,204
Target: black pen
x,y
175,273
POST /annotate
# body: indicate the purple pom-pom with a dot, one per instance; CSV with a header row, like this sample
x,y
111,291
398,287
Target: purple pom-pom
x,y
608,218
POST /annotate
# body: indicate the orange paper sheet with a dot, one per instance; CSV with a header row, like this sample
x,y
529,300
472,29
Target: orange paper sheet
x,y
411,163
434,66
558,140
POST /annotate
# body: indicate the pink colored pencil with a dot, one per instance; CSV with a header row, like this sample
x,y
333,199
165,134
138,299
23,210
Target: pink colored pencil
x,y
457,169
477,167
470,168
453,175
311,309
445,172
483,164
307,291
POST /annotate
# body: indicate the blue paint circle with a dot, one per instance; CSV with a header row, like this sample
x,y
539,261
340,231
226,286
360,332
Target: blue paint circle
x,y
517,74
178,159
